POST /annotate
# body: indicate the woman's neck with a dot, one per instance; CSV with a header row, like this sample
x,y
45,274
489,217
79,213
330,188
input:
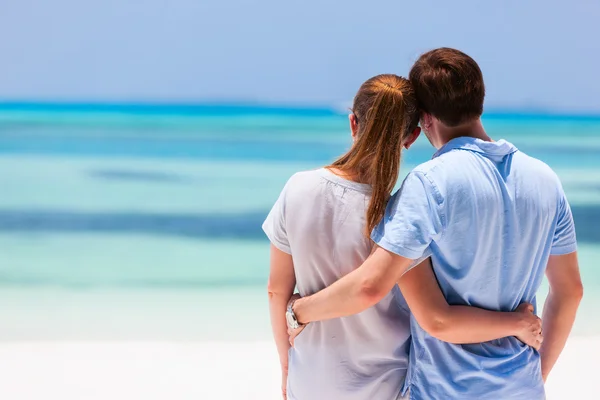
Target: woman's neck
x,y
349,175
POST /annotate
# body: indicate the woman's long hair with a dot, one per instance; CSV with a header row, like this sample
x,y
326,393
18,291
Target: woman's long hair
x,y
386,111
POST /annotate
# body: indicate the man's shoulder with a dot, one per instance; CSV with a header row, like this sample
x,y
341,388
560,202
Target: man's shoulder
x,y
532,164
426,167
439,165
424,179
434,172
530,172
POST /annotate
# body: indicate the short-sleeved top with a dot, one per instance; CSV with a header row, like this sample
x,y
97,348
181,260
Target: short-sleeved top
x,y
490,217
319,219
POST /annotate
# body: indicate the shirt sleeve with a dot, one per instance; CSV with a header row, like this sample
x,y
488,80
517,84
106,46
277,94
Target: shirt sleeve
x,y
413,219
564,240
274,225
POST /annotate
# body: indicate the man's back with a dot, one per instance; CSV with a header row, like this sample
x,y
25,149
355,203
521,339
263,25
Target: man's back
x,y
496,215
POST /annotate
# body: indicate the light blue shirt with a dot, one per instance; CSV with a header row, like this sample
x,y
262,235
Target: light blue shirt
x,y
490,217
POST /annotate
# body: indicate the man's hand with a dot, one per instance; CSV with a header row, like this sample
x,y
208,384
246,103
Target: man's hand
x,y
530,326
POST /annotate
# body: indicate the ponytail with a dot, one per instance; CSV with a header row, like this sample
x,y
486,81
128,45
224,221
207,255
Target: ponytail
x,y
381,107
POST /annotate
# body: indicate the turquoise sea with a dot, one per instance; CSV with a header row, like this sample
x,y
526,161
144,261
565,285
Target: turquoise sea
x,y
142,222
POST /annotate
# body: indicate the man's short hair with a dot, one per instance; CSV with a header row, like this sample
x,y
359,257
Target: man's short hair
x,y
449,85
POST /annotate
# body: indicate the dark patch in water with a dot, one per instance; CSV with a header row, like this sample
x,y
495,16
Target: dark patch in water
x,y
203,225
142,176
210,225
587,219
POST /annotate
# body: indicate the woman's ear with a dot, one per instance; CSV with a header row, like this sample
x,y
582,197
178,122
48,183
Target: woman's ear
x,y
353,126
412,137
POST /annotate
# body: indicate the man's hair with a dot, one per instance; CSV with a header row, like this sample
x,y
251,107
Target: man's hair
x,y
449,85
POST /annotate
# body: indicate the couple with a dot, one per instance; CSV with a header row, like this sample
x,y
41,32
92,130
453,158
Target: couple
x,y
438,307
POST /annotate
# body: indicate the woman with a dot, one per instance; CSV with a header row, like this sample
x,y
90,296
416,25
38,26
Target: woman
x,y
319,229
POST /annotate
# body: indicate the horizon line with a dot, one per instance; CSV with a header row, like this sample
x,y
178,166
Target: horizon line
x,y
191,108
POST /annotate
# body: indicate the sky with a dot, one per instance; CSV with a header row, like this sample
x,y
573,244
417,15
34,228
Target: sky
x,y
535,55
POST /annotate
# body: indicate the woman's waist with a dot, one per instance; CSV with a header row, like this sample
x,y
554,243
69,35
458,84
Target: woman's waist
x,y
308,357
354,340
372,327
330,371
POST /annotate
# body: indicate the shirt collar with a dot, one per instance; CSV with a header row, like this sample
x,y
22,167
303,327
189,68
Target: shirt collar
x,y
499,148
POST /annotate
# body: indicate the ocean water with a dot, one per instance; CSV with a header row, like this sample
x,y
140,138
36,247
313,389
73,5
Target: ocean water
x,y
143,222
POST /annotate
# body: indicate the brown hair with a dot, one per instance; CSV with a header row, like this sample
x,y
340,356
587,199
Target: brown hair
x,y
386,110
449,86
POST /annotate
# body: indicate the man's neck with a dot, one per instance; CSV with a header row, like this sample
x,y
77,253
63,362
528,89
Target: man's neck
x,y
472,129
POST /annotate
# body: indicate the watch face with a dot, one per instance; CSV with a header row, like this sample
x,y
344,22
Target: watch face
x,y
291,321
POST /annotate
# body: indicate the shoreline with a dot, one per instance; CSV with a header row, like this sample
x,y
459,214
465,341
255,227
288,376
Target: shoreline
x,y
167,314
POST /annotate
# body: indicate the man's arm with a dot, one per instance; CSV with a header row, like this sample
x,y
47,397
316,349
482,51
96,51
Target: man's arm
x,y
463,324
355,292
413,219
566,292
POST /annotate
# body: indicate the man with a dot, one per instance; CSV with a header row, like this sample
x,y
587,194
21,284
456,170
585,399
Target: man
x,y
493,219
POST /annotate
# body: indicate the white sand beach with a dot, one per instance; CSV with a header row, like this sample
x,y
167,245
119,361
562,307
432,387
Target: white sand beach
x,y
199,370
177,345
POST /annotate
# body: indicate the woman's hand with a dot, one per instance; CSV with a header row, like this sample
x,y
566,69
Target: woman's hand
x,y
530,326
293,333
284,378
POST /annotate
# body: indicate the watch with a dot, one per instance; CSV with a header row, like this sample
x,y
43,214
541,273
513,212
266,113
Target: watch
x,y
290,317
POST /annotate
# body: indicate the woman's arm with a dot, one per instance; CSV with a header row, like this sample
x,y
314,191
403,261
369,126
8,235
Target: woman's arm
x,y
282,282
463,324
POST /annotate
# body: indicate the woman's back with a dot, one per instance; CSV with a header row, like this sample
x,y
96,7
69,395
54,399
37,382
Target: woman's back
x,y
320,219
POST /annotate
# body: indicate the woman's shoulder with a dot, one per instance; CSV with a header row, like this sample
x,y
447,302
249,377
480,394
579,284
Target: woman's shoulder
x,y
302,180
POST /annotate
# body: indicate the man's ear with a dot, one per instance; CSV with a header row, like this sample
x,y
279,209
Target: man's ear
x,y
353,126
412,137
426,121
